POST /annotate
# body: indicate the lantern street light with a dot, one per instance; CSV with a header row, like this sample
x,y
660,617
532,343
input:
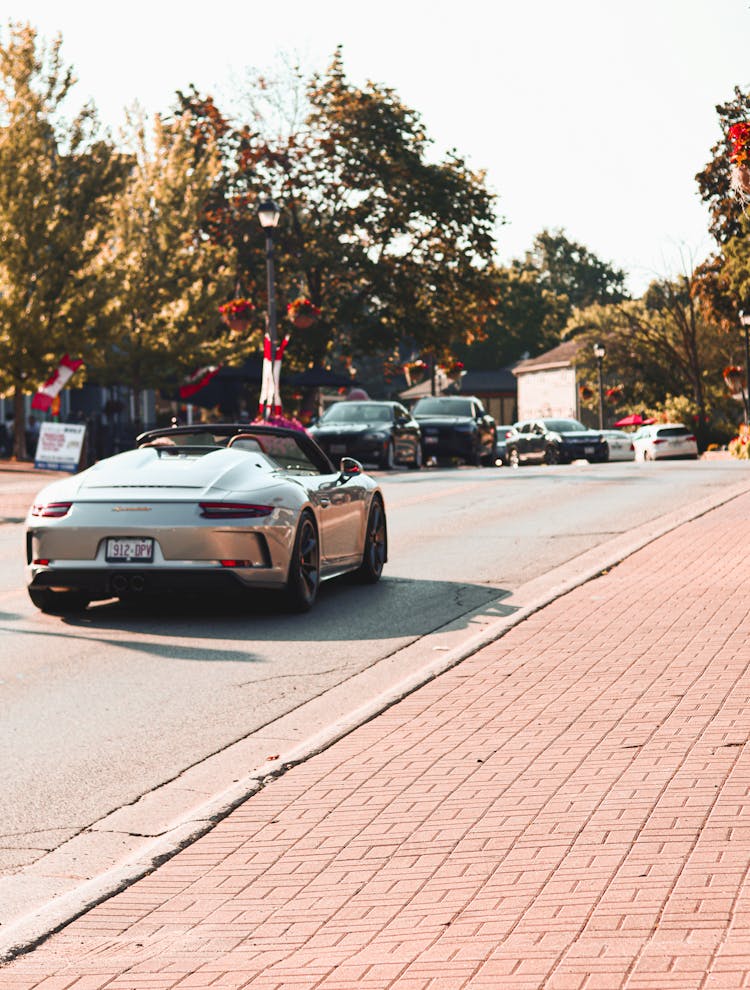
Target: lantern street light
x,y
745,321
268,214
599,353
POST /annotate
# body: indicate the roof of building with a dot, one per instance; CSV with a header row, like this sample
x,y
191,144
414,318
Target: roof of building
x,y
488,380
562,356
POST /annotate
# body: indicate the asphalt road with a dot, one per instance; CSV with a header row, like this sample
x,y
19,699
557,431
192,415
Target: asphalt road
x,y
99,710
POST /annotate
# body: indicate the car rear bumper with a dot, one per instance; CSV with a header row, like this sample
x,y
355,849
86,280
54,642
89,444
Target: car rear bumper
x,y
100,583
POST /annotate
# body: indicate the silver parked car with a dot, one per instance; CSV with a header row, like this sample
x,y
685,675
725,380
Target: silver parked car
x,y
208,508
620,445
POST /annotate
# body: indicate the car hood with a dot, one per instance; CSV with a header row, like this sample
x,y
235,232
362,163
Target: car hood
x,y
148,474
591,435
342,429
443,420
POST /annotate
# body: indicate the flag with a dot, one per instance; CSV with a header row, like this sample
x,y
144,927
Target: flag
x,y
52,388
195,382
270,395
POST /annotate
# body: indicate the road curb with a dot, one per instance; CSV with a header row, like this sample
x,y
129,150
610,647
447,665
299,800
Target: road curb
x,y
30,928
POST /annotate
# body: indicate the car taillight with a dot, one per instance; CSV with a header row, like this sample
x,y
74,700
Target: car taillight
x,y
234,510
657,440
236,563
691,437
54,510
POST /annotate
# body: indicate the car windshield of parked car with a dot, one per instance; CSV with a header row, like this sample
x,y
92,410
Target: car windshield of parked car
x,y
563,425
357,412
443,407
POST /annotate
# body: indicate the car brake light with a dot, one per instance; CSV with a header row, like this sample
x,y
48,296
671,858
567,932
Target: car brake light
x,y
657,440
235,563
54,510
234,510
42,561
691,437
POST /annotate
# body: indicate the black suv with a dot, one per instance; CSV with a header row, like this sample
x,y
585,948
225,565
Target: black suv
x,y
456,426
555,441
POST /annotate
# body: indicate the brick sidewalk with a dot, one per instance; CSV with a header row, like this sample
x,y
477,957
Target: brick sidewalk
x,y
568,808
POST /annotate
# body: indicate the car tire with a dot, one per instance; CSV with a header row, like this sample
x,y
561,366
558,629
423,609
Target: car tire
x,y
59,602
418,461
303,580
388,460
375,551
552,455
476,456
513,459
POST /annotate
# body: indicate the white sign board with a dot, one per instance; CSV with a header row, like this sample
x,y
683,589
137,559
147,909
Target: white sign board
x,y
59,447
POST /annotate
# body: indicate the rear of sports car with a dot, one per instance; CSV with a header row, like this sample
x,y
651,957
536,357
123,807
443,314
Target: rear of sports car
x,y
99,537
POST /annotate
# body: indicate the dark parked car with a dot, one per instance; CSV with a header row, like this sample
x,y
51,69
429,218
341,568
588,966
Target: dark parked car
x,y
555,441
456,426
381,433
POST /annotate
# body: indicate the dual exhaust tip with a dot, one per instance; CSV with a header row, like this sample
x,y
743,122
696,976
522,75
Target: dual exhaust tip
x,y
123,582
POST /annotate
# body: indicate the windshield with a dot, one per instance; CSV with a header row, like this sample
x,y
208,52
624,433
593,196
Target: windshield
x,y
287,450
563,425
358,412
443,407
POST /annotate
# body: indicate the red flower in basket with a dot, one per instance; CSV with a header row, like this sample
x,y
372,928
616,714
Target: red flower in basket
x,y
303,313
739,156
236,313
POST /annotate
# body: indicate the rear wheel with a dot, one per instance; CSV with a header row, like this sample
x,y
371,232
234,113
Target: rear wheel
x,y
376,545
552,455
304,568
59,602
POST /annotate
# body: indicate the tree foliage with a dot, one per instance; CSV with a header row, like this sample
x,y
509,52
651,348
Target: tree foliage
x,y
165,278
56,183
387,243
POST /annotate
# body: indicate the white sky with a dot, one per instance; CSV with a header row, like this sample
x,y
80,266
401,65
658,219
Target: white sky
x,y
586,115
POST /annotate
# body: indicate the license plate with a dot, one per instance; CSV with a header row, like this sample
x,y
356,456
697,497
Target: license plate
x,y
588,451
430,439
338,448
133,550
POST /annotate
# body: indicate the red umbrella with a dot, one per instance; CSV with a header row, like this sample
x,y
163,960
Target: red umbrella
x,y
635,419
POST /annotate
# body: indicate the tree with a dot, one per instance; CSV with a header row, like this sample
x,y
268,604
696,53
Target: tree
x,y
658,346
56,182
571,270
387,243
525,319
165,278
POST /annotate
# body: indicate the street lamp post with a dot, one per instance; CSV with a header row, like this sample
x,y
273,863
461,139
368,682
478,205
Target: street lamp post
x,y
745,321
268,214
599,353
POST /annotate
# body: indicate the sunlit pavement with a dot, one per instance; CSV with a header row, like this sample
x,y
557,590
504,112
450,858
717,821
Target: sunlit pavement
x,y
566,808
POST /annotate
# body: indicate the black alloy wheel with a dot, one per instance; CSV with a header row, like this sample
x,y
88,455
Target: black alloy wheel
x,y
59,602
552,455
304,568
376,545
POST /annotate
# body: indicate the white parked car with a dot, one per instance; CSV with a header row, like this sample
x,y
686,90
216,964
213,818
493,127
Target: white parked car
x,y
664,440
620,445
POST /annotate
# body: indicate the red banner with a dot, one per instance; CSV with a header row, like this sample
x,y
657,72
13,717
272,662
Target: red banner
x,y
52,388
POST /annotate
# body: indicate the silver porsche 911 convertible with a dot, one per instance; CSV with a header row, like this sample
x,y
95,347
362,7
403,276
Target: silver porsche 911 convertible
x,y
206,508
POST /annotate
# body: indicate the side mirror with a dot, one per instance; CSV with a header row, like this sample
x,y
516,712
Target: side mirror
x,y
349,468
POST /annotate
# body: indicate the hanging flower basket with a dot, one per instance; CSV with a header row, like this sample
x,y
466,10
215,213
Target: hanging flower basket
x,y
237,314
455,370
614,394
739,137
303,313
415,371
734,378
586,393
